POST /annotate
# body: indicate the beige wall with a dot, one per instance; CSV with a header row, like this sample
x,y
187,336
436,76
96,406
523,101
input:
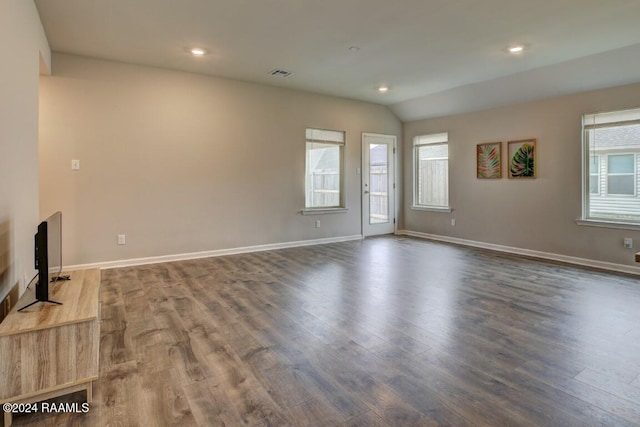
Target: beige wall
x,y
22,43
535,214
182,163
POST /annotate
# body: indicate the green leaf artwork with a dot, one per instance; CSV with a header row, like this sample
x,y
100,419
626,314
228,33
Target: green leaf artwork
x,y
522,162
488,161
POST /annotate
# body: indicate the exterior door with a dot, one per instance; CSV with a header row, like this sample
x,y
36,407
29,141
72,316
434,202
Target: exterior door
x,y
378,184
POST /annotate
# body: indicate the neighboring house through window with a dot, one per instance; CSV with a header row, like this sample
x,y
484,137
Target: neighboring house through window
x,y
621,175
594,174
611,145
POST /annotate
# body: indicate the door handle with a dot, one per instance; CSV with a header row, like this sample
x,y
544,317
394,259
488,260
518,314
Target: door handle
x,y
366,192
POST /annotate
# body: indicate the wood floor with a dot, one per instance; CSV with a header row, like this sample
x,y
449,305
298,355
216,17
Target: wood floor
x,y
382,332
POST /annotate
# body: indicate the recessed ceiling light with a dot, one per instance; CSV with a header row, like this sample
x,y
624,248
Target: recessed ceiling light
x,y
516,49
354,48
198,51
383,89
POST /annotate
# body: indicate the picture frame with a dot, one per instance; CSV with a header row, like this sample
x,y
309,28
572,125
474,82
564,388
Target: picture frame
x,y
522,159
489,160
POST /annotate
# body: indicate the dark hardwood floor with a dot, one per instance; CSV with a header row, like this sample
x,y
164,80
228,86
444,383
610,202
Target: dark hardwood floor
x,y
388,331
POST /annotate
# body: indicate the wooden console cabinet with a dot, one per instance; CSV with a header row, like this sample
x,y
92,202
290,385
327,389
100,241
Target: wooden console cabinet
x,y
49,350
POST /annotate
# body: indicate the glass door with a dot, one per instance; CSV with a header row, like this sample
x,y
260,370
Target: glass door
x,y
378,184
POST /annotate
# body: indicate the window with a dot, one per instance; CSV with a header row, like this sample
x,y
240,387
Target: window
x,y
431,171
611,145
620,174
324,180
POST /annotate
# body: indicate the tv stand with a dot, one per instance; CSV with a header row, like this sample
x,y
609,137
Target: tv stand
x,y
37,301
50,351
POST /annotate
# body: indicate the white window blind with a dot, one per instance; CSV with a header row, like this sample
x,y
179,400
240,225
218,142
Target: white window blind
x,y
322,135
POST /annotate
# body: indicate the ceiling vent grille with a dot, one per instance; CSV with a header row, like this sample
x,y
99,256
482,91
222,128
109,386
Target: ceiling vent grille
x,y
280,73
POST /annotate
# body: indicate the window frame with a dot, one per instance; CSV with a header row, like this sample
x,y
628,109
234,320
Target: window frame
x,y
341,207
433,139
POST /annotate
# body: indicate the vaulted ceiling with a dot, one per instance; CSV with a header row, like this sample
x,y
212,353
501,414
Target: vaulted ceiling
x,y
436,56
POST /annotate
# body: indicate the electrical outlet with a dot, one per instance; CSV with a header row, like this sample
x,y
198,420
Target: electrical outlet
x,y
317,223
628,243
453,222
75,165
122,239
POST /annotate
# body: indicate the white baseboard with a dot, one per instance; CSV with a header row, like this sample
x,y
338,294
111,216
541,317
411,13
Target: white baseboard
x,y
527,252
208,254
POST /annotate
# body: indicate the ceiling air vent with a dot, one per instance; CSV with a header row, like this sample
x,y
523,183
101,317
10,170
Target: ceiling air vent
x,y
280,73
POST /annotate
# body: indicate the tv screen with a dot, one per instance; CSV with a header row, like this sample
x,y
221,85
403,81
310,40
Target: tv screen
x,y
48,257
54,245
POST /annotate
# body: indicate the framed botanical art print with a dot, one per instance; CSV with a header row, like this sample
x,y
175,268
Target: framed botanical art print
x,y
489,160
521,158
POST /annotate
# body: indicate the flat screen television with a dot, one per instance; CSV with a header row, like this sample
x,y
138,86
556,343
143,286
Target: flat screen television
x,y
48,257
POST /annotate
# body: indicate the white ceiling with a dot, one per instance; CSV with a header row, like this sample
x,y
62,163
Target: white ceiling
x,y
437,56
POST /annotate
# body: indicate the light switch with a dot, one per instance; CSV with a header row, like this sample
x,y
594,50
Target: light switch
x,y
75,165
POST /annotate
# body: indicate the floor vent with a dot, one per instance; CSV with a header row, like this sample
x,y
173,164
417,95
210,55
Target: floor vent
x,y
280,73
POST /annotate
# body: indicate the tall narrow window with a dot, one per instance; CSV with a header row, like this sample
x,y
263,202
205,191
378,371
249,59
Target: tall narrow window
x,y
611,146
324,169
431,171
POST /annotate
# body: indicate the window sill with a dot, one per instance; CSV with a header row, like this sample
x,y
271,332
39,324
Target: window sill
x,y
608,224
445,209
323,211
